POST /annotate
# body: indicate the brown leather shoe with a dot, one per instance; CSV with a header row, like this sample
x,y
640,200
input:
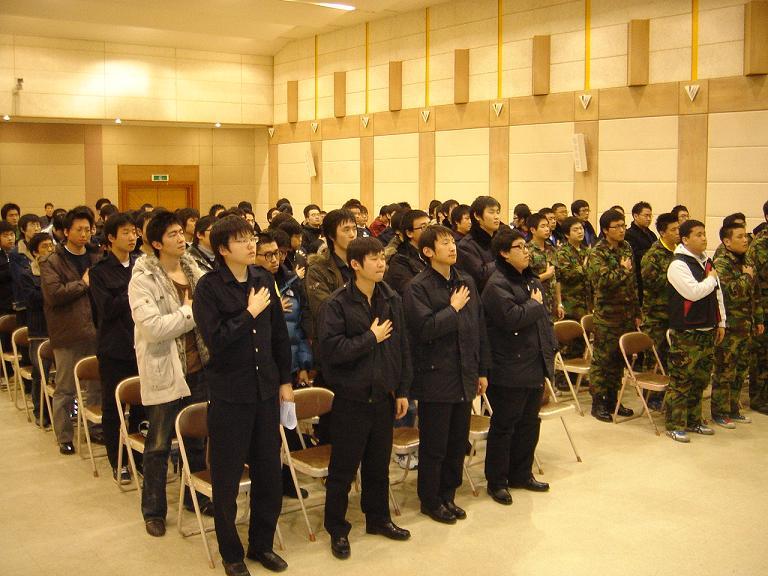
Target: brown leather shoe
x,y
155,527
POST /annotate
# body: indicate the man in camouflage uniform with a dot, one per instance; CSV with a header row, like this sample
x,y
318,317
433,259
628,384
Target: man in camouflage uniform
x,y
732,354
655,296
757,256
617,311
735,218
570,267
542,263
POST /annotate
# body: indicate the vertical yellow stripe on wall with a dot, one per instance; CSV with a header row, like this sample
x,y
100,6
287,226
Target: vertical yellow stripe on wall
x,y
694,39
500,44
316,82
426,61
366,67
587,42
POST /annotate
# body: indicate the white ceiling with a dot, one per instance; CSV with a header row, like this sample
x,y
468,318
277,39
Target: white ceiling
x,y
240,26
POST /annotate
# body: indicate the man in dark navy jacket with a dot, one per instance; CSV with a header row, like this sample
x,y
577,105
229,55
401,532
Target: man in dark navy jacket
x,y
241,321
522,350
451,359
366,362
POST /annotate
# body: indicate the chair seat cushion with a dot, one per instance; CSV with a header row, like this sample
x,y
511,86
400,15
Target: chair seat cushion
x,y
652,381
312,461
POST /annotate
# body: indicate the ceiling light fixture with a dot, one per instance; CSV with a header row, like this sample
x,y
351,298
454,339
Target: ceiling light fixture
x,y
118,121
6,118
218,125
331,5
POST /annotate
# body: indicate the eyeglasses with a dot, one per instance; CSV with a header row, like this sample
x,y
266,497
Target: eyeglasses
x,y
422,227
521,247
270,255
246,240
618,227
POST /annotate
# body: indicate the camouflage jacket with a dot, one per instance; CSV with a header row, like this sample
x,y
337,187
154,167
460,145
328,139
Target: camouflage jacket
x,y
738,291
540,259
653,270
757,256
575,290
614,287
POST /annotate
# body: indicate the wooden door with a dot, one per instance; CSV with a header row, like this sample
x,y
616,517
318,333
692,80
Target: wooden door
x,y
137,188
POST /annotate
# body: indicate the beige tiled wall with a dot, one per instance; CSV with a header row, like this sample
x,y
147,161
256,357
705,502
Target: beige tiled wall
x,y
461,164
540,165
341,172
638,161
87,79
395,170
737,168
293,173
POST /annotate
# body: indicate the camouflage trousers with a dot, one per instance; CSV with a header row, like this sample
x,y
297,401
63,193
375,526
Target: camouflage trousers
x,y
607,361
731,370
758,372
658,333
690,367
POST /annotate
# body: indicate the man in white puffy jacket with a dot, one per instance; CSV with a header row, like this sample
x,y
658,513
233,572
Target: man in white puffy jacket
x,y
170,355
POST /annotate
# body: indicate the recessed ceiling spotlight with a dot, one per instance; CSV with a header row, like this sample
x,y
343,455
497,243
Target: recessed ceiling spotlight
x,y
118,121
6,118
218,125
332,5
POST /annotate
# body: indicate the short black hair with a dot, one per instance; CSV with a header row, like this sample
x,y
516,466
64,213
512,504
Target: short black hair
x,y
363,209
291,227
680,208
48,204
226,229
7,208
102,202
502,242
282,201
245,205
521,211
36,240
479,206
434,205
727,230
309,207
215,208
201,226
27,219
141,216
619,208
332,221
78,213
664,220
396,220
569,223
351,203
577,205
546,210
406,224
266,237
145,206
108,210
430,236
687,227
6,227
640,206
609,217
158,224
359,248
117,221
557,205
58,221
458,213
730,219
535,219
270,212
282,238
765,209
185,214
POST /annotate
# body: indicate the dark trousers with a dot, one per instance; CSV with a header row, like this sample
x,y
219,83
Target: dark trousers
x,y
162,429
361,436
443,433
513,435
245,434
34,346
113,371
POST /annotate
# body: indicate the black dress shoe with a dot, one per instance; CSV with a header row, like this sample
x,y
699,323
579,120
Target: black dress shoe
x,y
625,412
388,530
268,559
205,503
236,569
340,547
533,485
501,495
155,527
66,448
439,514
290,492
600,409
458,512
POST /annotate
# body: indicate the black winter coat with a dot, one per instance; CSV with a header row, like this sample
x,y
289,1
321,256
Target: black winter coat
x,y
519,329
450,349
474,256
403,267
109,289
354,365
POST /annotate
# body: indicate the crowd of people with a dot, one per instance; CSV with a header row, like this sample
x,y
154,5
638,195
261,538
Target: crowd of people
x,y
407,319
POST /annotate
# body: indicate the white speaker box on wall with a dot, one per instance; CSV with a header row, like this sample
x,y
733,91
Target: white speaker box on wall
x,y
580,153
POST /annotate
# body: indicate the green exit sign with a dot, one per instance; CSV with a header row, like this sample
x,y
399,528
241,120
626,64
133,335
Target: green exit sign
x,y
159,177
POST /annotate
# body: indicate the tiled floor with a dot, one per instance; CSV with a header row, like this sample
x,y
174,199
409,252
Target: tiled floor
x,y
637,505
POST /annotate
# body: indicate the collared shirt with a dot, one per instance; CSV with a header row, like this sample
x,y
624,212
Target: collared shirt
x,y
679,275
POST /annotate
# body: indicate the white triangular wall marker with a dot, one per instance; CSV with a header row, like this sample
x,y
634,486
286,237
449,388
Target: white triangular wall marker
x,y
271,131
314,126
692,90
585,100
425,115
365,120
497,106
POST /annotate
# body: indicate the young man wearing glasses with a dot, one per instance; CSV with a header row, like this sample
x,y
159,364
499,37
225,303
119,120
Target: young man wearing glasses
x,y
617,310
407,261
242,323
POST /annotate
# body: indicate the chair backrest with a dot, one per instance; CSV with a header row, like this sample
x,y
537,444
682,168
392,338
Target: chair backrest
x,y
566,331
128,391
88,369
588,323
192,421
633,343
20,338
45,351
312,402
8,323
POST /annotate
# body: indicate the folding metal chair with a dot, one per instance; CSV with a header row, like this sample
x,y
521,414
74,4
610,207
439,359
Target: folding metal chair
x,y
87,369
127,394
47,384
20,340
479,425
556,411
631,344
567,332
7,327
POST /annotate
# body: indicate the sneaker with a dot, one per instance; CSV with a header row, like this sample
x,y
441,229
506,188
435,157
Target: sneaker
x,y
741,419
678,436
724,422
125,475
655,404
702,429
402,461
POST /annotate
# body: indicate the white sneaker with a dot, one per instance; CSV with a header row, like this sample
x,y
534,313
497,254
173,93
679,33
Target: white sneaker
x,y
403,462
741,419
